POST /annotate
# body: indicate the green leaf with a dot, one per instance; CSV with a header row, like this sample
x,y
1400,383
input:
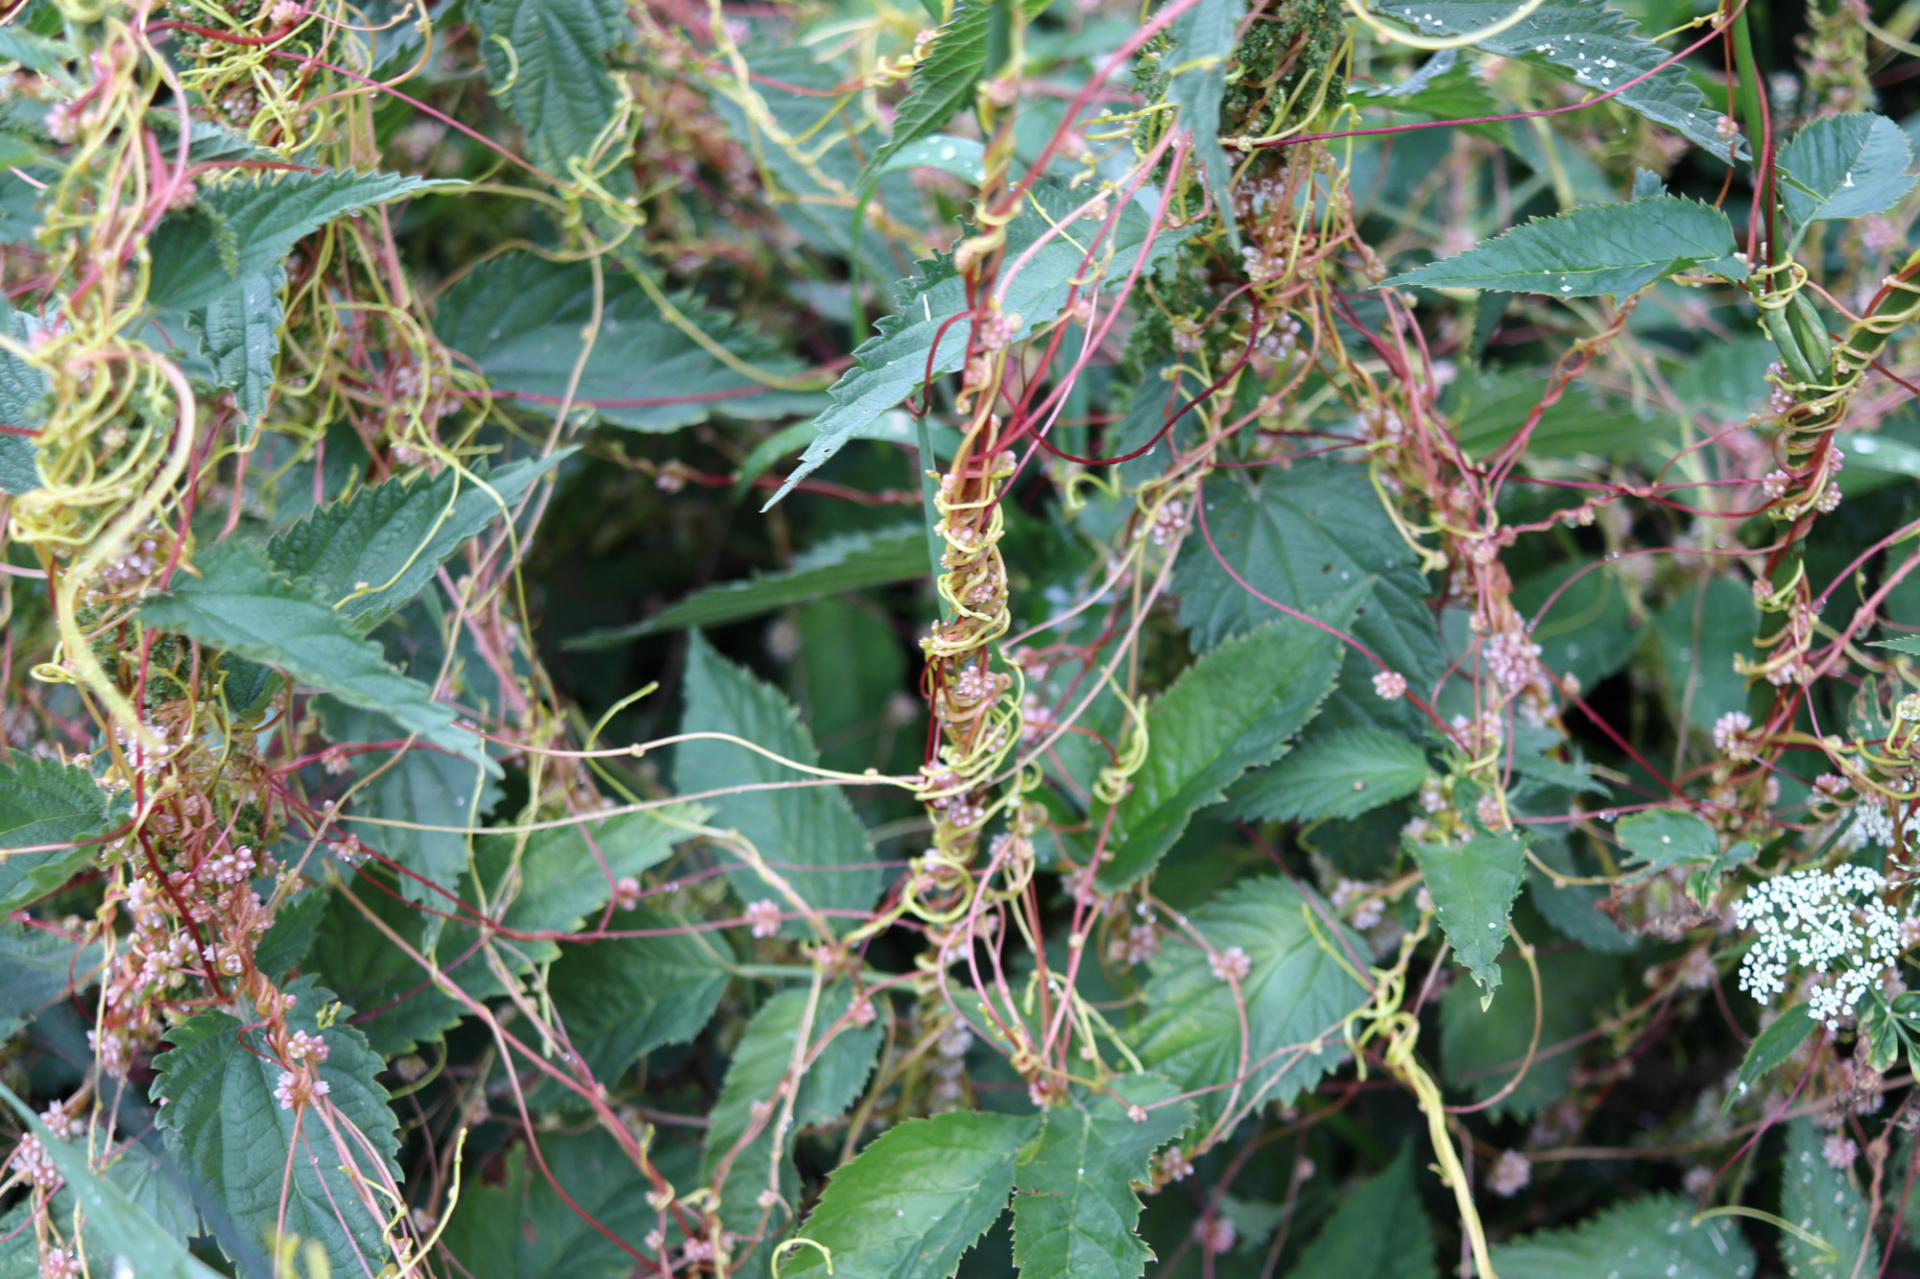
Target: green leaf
x,y
239,336
1473,886
1650,1238
1233,709
1586,630
1444,88
1908,644
1570,908
1076,1210
964,158
1489,409
1589,43
1297,993
1200,44
1698,633
1336,775
1826,1202
891,365
810,832
561,874
1664,837
621,998
150,1250
32,52
910,1204
240,604
370,553
44,802
37,966
259,217
1881,453
220,1114
1770,1048
1482,1046
1593,250
556,81
848,562
943,83
23,390
1845,166
1379,1231
18,471
834,1075
520,318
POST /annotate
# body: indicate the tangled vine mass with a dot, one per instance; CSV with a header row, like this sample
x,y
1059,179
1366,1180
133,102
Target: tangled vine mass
x,y
1239,638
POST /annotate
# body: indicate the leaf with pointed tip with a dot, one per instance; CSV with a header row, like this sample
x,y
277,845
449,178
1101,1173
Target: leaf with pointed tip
x,y
1333,775
1664,837
239,336
1200,44
1771,1047
1473,886
1650,1238
547,59
1845,166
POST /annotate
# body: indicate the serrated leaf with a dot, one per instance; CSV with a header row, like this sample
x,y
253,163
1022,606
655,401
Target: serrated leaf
x,y
266,215
1473,886
912,1203
811,832
1664,837
1335,775
1593,250
1845,166
1296,991
1589,43
45,804
1076,1210
891,365
150,1250
239,336
1379,1231
23,390
836,1073
849,562
1650,1238
1824,1201
1908,644
555,80
1771,1047
37,965
220,1114
520,318
621,998
291,935
1444,88
19,472
32,52
240,604
370,553
1235,708
1200,44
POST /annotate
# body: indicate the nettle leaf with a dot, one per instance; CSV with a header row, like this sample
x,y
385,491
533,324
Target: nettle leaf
x,y
239,336
1666,837
1593,250
1473,886
259,217
54,807
23,392
1296,991
220,1115
370,553
849,562
912,1203
552,878
113,1219
37,966
1333,775
555,81
833,1076
240,604
1200,44
1444,88
1076,1210
1650,1238
891,365
1379,1231
621,998
1483,1045
809,832
1826,1202
1589,43
520,318
1770,1048
1845,166
1236,707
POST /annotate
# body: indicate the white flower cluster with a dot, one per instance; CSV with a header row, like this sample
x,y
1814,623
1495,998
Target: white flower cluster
x,y
1830,923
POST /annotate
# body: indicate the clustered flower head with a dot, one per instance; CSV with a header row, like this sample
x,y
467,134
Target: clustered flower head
x,y
1830,924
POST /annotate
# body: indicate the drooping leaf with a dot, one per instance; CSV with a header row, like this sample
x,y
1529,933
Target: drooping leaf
x,y
45,805
260,217
1845,166
1588,42
36,966
1593,250
1379,1231
1235,708
848,562
220,1114
1335,775
621,998
1296,991
889,366
1826,1202
372,552
1770,1048
241,604
912,1203
810,832
547,59
1473,886
240,334
1650,1238
521,319
1076,1210
1199,46
1664,837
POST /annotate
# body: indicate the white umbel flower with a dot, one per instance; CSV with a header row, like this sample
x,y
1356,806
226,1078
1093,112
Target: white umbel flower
x,y
1828,923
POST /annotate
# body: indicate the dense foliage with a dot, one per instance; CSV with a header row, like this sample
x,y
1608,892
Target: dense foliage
x,y
805,638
